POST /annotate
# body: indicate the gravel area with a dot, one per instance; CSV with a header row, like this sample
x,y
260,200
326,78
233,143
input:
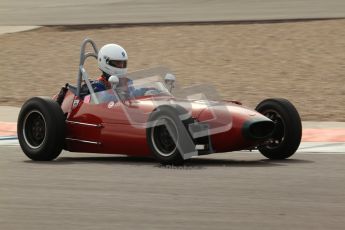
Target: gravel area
x,y
300,61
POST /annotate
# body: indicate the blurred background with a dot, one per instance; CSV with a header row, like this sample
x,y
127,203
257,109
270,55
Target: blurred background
x,y
249,50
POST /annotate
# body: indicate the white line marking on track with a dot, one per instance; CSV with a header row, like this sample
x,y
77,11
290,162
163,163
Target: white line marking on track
x,y
9,142
322,147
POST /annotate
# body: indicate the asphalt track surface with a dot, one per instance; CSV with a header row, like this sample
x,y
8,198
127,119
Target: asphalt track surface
x,y
222,191
58,12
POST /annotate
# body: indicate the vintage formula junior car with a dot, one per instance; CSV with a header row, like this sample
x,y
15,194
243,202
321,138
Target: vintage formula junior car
x,y
150,121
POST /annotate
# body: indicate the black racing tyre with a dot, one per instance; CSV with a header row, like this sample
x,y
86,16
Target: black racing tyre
x,y
287,134
160,140
41,129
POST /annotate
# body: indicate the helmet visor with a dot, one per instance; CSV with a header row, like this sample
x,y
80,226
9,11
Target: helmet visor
x,y
118,63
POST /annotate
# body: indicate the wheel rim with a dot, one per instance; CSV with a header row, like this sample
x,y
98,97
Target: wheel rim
x,y
278,134
34,129
161,138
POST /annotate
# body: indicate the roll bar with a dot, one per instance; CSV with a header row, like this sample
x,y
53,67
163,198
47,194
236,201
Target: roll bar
x,y
82,75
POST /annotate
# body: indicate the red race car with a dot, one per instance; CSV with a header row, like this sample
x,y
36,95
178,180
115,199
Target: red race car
x,y
145,119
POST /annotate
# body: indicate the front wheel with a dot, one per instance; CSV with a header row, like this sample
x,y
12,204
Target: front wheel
x,y
41,129
167,134
287,134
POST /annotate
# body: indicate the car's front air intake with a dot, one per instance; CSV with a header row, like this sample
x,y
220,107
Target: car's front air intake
x,y
258,129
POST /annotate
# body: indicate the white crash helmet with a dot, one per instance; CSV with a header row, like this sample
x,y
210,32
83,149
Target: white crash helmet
x,y
112,59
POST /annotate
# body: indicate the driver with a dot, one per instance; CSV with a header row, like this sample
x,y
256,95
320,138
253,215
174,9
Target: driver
x,y
112,60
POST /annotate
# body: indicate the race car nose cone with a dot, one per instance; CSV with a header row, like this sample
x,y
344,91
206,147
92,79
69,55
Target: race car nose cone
x,y
257,130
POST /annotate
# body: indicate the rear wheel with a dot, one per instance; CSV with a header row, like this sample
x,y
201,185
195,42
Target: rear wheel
x,y
287,134
41,129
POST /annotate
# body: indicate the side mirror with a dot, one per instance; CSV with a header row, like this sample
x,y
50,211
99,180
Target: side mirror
x,y
170,81
114,81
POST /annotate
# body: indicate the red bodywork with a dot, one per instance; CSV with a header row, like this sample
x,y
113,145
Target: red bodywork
x,y
106,128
